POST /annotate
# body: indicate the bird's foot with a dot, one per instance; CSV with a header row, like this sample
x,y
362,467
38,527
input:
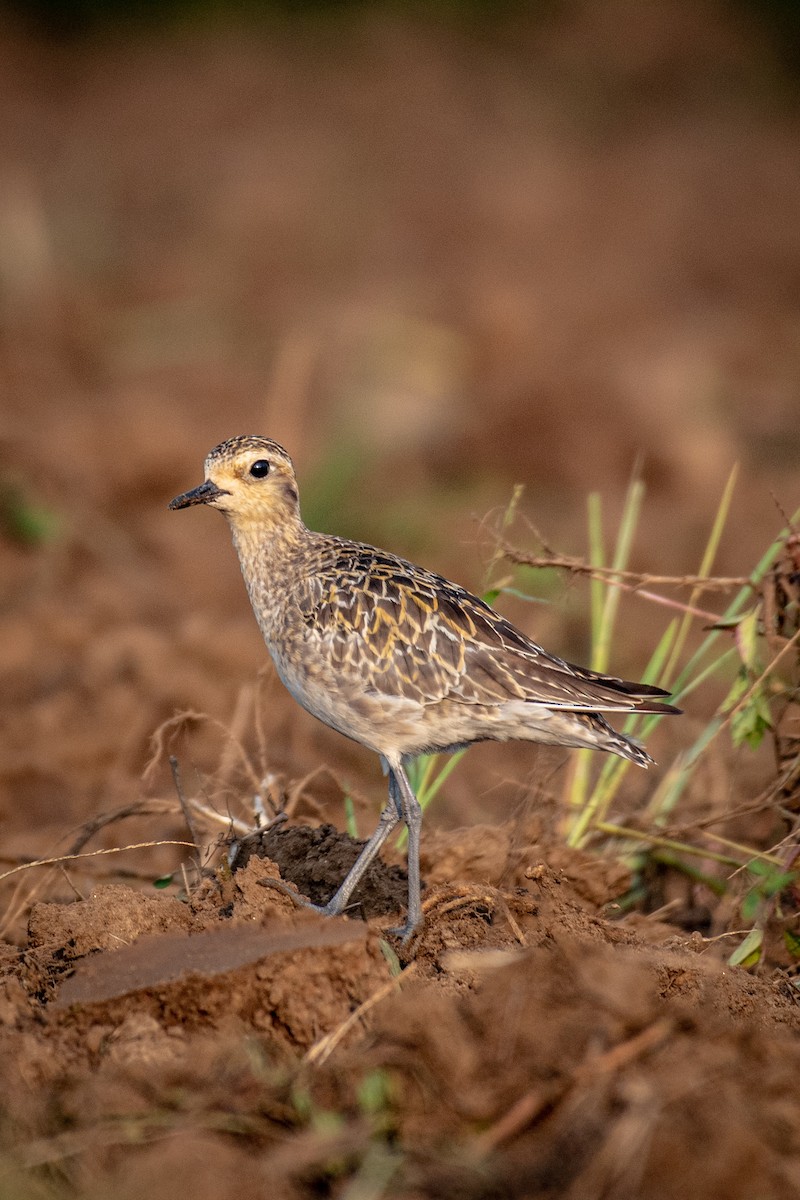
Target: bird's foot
x,y
412,925
334,907
404,932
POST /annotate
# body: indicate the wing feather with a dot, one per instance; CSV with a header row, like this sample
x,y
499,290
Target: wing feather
x,y
410,633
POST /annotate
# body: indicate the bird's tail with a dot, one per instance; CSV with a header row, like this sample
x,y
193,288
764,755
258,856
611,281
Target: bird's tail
x,y
619,743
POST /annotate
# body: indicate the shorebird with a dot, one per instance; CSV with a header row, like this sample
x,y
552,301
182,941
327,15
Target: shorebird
x,y
392,655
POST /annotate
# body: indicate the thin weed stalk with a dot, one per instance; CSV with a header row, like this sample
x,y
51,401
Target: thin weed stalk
x,y
604,607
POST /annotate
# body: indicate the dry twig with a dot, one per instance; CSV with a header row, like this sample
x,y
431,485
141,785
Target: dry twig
x,y
62,858
323,1049
635,582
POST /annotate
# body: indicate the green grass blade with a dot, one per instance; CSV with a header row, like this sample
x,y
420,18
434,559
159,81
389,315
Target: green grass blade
x,y
351,825
446,770
507,519
430,784
597,558
660,668
667,795
734,609
428,764
656,840
706,563
655,667
605,604
630,519
673,784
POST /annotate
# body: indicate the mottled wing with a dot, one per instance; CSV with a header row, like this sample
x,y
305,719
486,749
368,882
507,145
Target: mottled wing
x,y
410,633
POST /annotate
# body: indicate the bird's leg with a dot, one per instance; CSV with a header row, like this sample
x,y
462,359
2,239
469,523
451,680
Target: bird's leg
x,y
402,806
411,814
389,818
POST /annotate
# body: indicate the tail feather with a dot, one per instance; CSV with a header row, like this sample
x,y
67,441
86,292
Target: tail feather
x,y
627,747
622,744
652,706
645,697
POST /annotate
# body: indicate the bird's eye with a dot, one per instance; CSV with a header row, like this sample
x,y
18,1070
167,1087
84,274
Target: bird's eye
x,y
260,469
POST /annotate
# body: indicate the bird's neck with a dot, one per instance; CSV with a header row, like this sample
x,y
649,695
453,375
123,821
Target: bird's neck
x,y
264,544
267,555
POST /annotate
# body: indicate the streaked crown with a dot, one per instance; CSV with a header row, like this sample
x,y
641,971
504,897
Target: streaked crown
x,y
238,452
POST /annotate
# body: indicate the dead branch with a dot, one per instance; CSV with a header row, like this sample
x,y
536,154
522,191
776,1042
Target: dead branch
x,y
635,579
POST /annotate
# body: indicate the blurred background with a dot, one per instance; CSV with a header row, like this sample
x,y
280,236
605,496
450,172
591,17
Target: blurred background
x,y
437,250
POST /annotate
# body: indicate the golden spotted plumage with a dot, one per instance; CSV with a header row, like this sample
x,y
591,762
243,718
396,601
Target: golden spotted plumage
x,y
391,654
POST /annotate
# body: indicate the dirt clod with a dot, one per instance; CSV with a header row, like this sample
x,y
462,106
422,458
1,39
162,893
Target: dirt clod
x,y
316,860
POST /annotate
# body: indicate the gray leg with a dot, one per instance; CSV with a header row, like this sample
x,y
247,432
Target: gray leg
x,y
389,818
412,816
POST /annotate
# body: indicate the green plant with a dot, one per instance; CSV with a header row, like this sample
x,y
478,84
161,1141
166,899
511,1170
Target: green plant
x,y
764,620
590,805
760,903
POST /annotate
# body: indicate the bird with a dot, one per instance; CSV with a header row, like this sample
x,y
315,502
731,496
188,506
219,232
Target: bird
x,y
393,655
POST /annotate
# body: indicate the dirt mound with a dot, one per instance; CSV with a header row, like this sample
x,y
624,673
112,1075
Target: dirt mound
x,y
529,1047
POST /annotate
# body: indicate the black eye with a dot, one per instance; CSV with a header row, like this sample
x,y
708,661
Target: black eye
x,y
260,469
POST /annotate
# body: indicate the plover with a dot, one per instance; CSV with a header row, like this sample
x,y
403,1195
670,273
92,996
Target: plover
x,y
395,656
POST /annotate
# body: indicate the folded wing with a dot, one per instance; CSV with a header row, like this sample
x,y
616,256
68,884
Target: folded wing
x,y
411,633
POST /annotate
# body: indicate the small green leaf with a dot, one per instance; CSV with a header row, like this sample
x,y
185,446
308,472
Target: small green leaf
x,y
373,1092
747,640
738,689
750,904
792,943
778,882
752,720
749,952
391,957
757,866
164,881
518,594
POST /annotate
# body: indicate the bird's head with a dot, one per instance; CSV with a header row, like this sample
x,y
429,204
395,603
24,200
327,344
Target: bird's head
x,y
252,481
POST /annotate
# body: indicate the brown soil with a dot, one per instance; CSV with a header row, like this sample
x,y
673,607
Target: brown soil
x,y
434,260
531,1048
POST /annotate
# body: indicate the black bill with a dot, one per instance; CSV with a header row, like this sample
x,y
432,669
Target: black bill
x,y
203,494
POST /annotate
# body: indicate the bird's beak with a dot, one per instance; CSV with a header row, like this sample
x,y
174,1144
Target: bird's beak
x,y
206,493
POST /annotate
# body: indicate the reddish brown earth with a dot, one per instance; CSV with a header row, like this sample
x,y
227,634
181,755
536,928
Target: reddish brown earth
x,y
434,259
529,1047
